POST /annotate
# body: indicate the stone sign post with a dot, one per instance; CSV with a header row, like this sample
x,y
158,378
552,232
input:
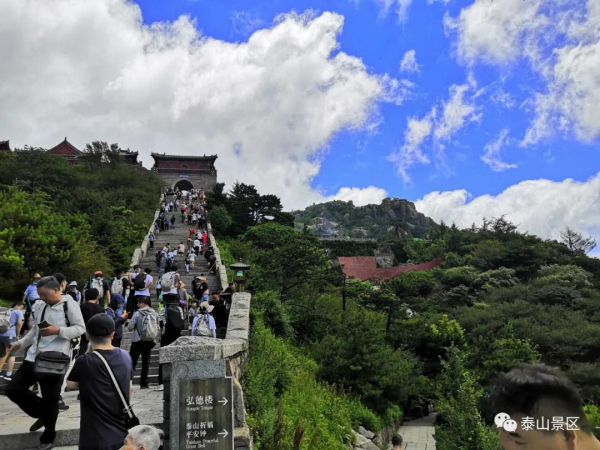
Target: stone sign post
x,y
206,414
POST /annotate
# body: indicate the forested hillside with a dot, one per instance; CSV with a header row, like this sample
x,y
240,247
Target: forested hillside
x,y
501,298
58,217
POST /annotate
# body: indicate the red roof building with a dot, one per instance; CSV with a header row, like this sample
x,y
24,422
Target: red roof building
x,y
365,268
66,150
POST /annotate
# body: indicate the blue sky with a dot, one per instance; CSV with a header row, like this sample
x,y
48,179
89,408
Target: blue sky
x,y
381,40
469,108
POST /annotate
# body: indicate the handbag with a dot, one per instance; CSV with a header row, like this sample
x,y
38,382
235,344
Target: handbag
x,y
50,364
131,419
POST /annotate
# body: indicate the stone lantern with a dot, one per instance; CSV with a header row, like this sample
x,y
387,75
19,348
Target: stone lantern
x,y
239,274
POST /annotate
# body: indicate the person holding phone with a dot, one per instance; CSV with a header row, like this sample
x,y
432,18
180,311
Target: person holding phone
x,y
57,321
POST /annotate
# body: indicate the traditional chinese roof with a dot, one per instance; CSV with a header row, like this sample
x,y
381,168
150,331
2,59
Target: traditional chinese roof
x,y
65,148
164,156
5,146
128,153
365,268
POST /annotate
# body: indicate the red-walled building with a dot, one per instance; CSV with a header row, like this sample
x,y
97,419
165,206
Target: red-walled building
x,y
186,172
66,150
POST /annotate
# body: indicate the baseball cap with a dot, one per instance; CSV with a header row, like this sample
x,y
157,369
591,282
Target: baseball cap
x,y
206,306
73,283
100,325
98,272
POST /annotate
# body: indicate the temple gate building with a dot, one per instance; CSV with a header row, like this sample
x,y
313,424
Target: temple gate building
x,y
186,172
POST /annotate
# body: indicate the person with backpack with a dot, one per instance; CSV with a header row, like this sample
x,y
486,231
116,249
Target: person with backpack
x,y
103,420
11,322
101,285
145,327
173,221
120,285
116,312
58,320
141,283
172,320
204,323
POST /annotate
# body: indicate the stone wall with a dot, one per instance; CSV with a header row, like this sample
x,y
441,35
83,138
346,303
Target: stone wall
x,y
221,269
204,181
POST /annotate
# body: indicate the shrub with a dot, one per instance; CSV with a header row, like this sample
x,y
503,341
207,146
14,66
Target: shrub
x,y
459,275
499,278
556,295
567,276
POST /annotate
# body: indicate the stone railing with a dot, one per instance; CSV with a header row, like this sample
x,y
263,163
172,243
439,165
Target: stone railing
x,y
220,269
140,251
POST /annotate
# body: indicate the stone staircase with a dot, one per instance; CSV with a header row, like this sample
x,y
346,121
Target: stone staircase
x,y
174,236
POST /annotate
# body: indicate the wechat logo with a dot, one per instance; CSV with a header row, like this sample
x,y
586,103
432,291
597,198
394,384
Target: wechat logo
x,y
503,420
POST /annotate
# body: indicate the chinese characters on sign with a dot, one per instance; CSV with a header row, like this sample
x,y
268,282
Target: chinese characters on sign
x,y
206,414
557,423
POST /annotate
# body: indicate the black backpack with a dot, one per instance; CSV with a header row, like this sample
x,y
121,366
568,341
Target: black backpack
x,y
139,283
173,318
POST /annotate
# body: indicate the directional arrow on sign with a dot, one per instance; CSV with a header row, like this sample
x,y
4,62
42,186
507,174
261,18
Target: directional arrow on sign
x,y
224,433
224,401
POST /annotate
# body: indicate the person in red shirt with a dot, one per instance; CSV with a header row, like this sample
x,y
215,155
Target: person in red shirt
x,y
192,231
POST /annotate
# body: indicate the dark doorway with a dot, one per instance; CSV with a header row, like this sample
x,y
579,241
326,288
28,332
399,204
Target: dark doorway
x,y
184,185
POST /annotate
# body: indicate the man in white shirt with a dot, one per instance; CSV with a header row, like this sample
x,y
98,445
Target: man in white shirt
x,y
61,320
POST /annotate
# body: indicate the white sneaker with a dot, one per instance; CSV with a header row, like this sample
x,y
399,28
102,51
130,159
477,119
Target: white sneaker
x,y
160,387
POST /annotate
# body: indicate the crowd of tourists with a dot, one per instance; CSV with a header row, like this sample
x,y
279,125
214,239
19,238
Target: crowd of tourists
x,y
72,338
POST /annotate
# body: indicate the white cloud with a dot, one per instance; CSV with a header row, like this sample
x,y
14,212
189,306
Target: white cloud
x,y
492,153
400,7
410,153
244,23
360,197
268,107
561,41
540,207
435,128
409,62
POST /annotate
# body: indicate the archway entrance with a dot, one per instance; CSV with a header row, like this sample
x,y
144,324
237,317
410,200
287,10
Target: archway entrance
x,y
184,185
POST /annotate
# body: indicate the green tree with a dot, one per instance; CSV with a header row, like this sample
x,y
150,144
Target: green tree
x,y
462,427
576,243
220,219
217,196
358,357
36,238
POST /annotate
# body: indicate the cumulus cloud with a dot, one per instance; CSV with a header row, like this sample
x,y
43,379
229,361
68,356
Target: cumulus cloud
x,y
409,62
492,153
540,207
430,133
360,197
268,106
561,41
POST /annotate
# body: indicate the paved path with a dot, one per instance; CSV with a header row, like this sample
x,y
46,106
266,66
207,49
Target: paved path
x,y
147,405
418,434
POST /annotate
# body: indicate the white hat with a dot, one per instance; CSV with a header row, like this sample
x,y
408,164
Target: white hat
x,y
73,283
205,305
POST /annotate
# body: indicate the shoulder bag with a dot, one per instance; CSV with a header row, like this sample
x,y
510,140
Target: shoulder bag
x,y
50,364
131,419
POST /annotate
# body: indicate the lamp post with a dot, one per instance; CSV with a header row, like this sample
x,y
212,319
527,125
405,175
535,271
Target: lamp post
x,y
239,274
